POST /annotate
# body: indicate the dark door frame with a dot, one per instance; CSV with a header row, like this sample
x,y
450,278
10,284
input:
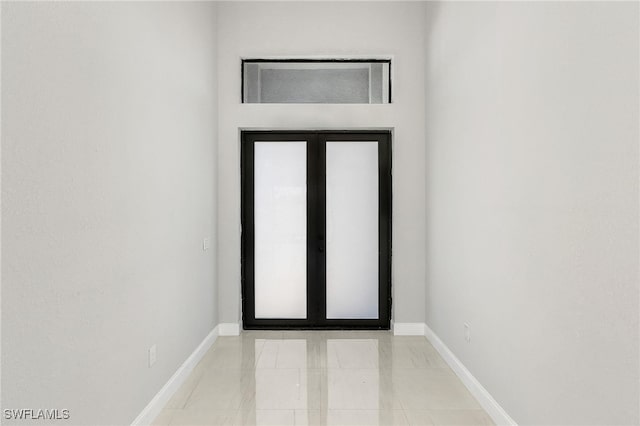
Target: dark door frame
x,y
316,224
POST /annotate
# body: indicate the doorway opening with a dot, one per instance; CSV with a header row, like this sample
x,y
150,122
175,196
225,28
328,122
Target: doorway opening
x,y
316,229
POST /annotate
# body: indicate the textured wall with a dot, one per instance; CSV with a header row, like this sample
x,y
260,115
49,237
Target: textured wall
x,y
532,203
108,177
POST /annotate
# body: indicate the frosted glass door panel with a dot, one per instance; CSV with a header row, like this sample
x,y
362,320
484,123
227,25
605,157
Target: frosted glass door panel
x,y
352,230
280,216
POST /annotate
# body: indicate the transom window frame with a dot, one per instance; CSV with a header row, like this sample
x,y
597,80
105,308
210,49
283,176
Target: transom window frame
x,y
265,59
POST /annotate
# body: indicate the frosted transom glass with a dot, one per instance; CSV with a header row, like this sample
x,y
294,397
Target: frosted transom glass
x,y
352,230
280,229
333,82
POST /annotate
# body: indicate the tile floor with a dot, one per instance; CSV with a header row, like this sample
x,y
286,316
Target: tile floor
x,y
322,378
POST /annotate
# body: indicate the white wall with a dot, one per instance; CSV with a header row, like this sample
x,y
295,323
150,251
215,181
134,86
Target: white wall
x,y
532,203
327,29
108,177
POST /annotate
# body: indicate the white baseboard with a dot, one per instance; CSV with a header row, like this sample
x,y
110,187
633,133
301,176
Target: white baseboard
x,y
495,411
408,328
151,411
229,329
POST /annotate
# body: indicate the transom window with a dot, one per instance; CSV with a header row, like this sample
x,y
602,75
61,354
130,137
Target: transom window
x,y
324,81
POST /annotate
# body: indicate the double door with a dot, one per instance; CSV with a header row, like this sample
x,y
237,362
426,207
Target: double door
x,y
316,229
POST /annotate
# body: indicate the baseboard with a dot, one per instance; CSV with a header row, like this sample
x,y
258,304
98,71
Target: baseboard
x,y
229,329
151,411
408,328
490,405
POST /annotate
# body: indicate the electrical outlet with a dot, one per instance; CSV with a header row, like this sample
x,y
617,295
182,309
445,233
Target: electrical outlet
x,y
205,244
152,355
467,332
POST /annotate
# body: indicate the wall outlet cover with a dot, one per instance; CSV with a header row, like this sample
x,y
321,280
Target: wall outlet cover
x,y
152,355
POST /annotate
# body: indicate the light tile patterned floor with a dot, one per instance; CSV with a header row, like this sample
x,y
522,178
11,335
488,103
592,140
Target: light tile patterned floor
x,y
322,378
